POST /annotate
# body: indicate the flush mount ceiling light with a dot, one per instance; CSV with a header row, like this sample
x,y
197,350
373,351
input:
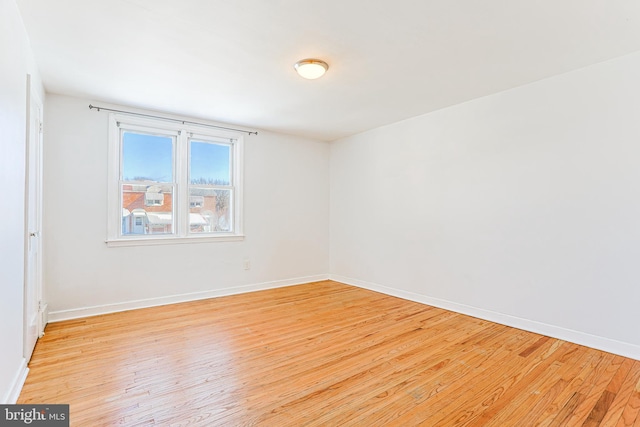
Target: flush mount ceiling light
x,y
311,68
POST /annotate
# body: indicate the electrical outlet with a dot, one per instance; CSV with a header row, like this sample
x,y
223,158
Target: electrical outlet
x,y
246,264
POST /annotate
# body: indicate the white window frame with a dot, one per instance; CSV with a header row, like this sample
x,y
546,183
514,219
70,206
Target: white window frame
x,y
183,134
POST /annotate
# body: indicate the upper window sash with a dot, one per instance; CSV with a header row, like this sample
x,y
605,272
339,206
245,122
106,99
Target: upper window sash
x,y
154,132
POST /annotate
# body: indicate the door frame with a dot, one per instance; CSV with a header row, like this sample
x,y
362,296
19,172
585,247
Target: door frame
x,y
33,229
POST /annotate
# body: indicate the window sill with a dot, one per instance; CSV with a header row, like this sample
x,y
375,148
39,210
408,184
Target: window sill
x,y
152,241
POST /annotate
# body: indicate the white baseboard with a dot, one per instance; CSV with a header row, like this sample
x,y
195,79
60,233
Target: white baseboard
x,y
600,343
16,386
578,337
75,313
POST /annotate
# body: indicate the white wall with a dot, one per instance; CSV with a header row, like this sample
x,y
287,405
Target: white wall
x,y
286,223
16,62
521,207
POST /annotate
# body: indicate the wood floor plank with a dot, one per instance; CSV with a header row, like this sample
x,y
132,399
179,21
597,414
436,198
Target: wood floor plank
x,y
373,382
520,381
622,386
591,390
322,354
526,401
562,406
404,399
631,413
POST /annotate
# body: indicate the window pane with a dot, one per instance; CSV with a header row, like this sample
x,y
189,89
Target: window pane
x,y
210,163
147,157
147,209
209,210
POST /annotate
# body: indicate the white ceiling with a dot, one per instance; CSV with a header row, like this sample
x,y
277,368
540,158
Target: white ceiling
x,y
232,60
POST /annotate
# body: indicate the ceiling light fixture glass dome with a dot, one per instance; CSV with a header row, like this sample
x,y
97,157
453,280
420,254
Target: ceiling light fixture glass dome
x,y
311,68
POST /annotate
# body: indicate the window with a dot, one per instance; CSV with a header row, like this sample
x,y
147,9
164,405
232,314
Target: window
x,y
172,183
154,196
196,201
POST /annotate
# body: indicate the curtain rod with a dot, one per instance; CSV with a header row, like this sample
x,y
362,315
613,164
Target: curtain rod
x,y
91,107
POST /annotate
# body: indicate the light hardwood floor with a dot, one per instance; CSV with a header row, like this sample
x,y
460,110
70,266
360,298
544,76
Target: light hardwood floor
x,y
323,354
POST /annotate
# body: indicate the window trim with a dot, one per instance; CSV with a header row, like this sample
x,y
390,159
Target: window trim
x,y
183,132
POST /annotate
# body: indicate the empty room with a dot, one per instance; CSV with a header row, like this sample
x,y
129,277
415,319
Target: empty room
x,y
339,213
